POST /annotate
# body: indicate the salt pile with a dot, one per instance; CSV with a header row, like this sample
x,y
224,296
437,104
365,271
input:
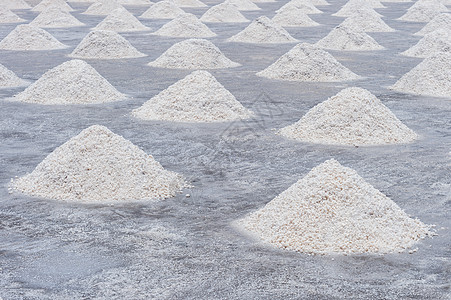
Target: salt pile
x,y
263,30
44,4
304,6
306,62
189,3
99,166
423,11
364,20
319,2
353,7
9,79
349,39
102,8
103,44
334,210
198,97
14,4
244,5
7,16
352,117
432,77
72,82
185,25
162,10
27,37
225,12
436,41
293,17
121,20
134,2
263,1
193,54
442,20
55,17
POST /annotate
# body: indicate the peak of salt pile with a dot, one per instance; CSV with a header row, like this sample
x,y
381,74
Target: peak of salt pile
x,y
442,20
121,20
293,17
187,26
306,62
334,210
28,37
436,41
55,17
304,6
367,21
349,39
162,10
263,30
423,11
14,4
9,79
103,44
72,82
193,54
354,116
102,8
44,4
7,16
134,2
224,12
244,5
432,77
99,166
189,3
198,97
353,7
319,2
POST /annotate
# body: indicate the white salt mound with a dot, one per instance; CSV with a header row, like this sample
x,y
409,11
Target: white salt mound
x,y
189,3
162,10
72,82
134,2
14,4
436,41
9,79
293,17
99,166
304,6
306,62
198,97
7,16
263,30
225,12
353,7
193,54
364,20
334,210
28,37
432,77
103,44
263,1
55,17
102,8
187,26
121,20
442,20
423,11
352,117
44,4
349,39
319,2
244,5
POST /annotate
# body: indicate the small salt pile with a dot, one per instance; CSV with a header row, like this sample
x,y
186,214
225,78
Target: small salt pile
x,y
225,12
99,166
103,44
319,2
72,82
162,10
244,5
353,7
55,17
366,21
263,30
9,79
354,117
198,97
14,4
436,41
304,6
423,11
121,20
348,38
189,3
187,26
27,37
306,62
134,2
432,77
7,16
193,54
332,210
102,8
293,17
44,4
442,20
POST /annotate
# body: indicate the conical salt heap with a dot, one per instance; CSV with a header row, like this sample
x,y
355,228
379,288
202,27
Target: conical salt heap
x,y
44,4
193,54
432,77
9,79
99,166
134,2
162,10
198,97
304,6
367,21
55,17
186,26
27,37
319,2
103,44
332,210
102,8
293,17
423,11
349,39
189,3
352,117
7,16
306,62
263,1
263,30
442,20
72,82
244,5
121,20
436,41
14,4
357,6
225,12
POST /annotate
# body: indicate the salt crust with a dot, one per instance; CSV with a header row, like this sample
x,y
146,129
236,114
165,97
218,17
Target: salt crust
x,y
307,62
354,117
187,26
244,5
352,7
7,16
193,54
121,20
293,17
198,97
225,12
9,79
102,8
27,37
162,10
442,20
55,17
99,166
348,38
304,6
263,30
332,210
14,4
367,21
189,3
432,77
423,11
436,41
103,44
72,82
44,4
